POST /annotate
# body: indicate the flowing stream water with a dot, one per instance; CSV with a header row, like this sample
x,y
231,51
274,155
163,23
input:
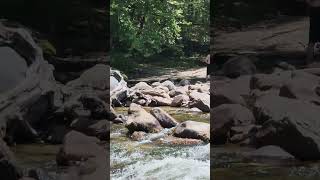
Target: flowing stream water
x,y
149,160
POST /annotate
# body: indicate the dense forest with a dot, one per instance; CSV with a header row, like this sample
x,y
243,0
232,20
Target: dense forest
x,y
75,25
142,30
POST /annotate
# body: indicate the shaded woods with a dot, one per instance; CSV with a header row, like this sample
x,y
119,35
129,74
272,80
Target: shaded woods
x,y
156,30
71,27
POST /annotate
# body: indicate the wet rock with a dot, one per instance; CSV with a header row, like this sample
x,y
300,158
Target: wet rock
x,y
163,117
118,89
140,120
284,119
193,130
238,66
169,84
83,154
270,152
8,166
100,129
138,135
180,101
171,140
227,116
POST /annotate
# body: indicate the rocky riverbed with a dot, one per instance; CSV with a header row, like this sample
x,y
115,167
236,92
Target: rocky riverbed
x,y
268,114
160,130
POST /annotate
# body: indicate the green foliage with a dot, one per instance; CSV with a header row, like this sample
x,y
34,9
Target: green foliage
x,y
145,27
47,48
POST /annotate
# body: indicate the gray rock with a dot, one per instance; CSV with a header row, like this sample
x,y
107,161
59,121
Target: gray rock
x,y
283,119
140,120
238,66
226,116
163,117
180,101
193,130
13,69
169,84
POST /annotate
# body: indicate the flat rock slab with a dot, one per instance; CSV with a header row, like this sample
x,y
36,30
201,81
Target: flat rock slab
x,y
290,124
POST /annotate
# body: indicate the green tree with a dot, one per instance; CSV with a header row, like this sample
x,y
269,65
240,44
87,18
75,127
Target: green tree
x,y
148,27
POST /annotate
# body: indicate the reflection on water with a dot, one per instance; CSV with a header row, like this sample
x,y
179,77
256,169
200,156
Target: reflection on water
x,y
229,164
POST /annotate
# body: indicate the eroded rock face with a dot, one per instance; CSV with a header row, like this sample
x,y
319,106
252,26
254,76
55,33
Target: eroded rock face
x,y
193,130
36,93
163,117
140,120
283,119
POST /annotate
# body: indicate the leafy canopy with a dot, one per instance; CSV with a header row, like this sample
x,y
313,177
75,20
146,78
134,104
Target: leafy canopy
x,y
148,27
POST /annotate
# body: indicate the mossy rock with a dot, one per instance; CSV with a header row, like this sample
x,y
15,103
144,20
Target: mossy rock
x,y
47,48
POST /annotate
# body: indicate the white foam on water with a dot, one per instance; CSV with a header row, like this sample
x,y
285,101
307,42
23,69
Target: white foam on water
x,y
189,163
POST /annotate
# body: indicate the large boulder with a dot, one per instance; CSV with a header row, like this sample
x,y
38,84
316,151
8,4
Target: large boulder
x,y
118,88
233,92
238,66
227,116
84,155
140,120
180,101
193,130
265,82
301,86
141,86
163,117
285,119
169,84
96,78
200,101
13,68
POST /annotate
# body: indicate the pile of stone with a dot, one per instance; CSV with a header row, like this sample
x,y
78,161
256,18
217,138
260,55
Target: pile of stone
x,y
279,109
141,124
161,94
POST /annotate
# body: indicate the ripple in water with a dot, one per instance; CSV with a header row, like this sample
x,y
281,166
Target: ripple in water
x,y
132,160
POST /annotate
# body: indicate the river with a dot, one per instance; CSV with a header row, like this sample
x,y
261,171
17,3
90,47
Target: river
x,y
149,160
